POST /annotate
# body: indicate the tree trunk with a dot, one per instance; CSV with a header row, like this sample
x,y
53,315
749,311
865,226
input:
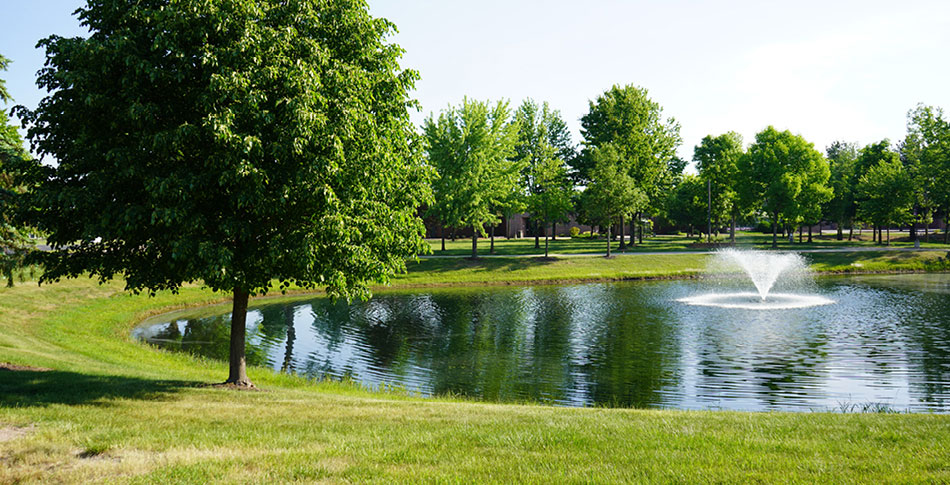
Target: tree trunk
x,y
732,230
623,244
442,236
546,242
888,243
453,234
775,231
809,234
537,236
608,239
640,227
800,230
633,230
927,232
237,374
491,247
850,232
840,235
474,242
507,228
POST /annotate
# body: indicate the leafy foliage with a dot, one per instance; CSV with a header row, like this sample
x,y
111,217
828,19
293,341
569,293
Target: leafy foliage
x,y
784,176
228,142
642,142
14,240
885,193
470,148
717,159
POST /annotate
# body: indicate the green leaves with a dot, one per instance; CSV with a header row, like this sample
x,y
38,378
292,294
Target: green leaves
x,y
470,148
232,142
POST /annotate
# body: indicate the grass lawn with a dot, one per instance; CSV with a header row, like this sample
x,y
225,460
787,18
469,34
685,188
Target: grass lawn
x,y
679,242
106,408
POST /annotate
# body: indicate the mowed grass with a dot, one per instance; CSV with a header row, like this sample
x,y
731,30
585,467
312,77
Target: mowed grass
x,y
113,410
674,243
632,266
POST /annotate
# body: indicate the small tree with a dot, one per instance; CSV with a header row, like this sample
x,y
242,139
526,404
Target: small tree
x,y
843,180
233,143
717,159
551,200
470,147
887,195
611,193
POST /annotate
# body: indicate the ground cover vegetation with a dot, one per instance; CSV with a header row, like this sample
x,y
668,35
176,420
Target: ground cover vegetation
x,y
83,402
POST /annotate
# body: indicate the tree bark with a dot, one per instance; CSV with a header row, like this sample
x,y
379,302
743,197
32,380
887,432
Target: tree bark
x,y
442,236
840,235
623,244
474,242
546,243
537,235
809,234
888,243
640,226
491,248
850,232
732,230
633,230
237,372
774,231
608,239
800,229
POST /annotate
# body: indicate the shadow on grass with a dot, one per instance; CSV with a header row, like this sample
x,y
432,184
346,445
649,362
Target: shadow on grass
x,y
28,388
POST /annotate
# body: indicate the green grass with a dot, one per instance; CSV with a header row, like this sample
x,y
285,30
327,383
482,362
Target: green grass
x,y
111,409
665,243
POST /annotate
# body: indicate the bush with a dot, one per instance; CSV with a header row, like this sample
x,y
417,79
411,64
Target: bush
x,y
575,231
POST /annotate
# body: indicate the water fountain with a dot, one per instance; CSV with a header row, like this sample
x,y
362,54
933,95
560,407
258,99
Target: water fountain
x,y
763,269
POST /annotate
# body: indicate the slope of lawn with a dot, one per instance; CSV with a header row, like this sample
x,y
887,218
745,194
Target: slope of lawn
x,y
81,402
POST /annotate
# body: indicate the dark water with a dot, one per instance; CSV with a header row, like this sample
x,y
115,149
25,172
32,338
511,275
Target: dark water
x,y
885,342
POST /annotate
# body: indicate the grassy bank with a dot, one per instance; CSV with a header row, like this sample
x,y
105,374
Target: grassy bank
x,y
671,243
111,409
633,266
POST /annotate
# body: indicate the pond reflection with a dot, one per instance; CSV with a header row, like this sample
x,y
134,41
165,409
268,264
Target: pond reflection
x,y
886,340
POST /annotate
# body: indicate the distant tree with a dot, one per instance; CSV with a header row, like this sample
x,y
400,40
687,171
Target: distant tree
x,y
544,141
717,159
886,194
687,204
870,157
234,143
644,142
551,200
843,180
611,192
14,240
470,147
780,174
926,151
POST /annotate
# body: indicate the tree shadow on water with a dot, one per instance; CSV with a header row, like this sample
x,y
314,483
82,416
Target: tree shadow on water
x,y
28,388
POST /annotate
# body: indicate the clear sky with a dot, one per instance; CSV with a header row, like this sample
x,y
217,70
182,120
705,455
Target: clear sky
x,y
827,70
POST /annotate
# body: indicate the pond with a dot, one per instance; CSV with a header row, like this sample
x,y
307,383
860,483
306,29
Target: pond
x,y
883,344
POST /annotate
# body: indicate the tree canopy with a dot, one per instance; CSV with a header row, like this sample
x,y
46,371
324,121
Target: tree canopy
x,y
784,176
14,240
470,147
717,160
232,143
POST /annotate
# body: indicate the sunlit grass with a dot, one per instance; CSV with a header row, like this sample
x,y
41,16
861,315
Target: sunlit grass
x,y
112,409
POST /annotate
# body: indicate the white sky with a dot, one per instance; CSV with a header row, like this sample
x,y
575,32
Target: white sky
x,y
824,69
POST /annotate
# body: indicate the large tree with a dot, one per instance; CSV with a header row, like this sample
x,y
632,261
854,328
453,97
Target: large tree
x,y
14,240
717,159
544,150
470,147
228,142
643,140
782,175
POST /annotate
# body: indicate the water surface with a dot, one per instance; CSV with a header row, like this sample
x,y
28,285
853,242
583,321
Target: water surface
x,y
885,341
